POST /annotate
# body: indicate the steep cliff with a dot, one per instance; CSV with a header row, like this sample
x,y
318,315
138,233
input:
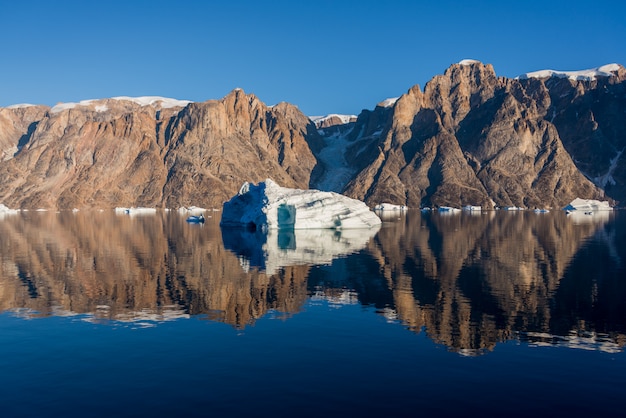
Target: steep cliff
x,y
474,138
126,152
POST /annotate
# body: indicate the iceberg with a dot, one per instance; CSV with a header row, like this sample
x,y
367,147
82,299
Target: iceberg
x,y
135,211
6,211
268,206
587,205
390,206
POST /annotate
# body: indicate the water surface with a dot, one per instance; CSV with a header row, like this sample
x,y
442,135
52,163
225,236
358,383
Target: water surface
x,y
108,314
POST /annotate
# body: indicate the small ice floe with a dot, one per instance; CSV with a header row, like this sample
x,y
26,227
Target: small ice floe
x,y
541,210
390,207
472,208
191,209
136,211
6,211
448,209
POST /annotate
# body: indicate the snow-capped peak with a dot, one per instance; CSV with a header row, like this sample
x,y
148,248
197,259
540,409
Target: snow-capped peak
x,y
343,118
388,102
20,106
100,105
590,74
468,62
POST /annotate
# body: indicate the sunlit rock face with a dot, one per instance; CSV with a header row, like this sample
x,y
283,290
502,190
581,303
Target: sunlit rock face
x,y
268,206
474,138
126,152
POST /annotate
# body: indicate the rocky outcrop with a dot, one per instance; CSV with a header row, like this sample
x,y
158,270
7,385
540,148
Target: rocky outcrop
x,y
17,123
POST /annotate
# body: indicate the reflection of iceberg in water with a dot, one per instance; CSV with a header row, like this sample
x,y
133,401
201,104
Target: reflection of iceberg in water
x,y
144,318
591,341
587,217
269,252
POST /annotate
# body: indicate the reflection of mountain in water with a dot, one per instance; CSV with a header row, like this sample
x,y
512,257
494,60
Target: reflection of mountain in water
x,y
134,269
473,281
269,252
468,281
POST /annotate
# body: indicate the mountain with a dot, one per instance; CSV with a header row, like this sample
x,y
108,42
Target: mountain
x,y
470,137
156,153
474,138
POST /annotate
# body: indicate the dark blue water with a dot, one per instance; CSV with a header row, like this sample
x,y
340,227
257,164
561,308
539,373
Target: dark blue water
x,y
498,314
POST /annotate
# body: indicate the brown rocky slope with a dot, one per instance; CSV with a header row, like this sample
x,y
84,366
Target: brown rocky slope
x,y
118,152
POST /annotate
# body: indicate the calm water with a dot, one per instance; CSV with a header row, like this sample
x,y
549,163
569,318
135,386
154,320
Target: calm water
x,y
503,314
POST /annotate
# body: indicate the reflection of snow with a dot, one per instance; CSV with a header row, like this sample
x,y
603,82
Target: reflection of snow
x,y
575,339
312,247
143,318
580,217
336,297
277,249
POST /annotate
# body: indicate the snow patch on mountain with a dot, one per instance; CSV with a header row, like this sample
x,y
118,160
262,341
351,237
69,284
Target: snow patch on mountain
x,y
343,118
585,75
20,106
468,62
388,102
155,101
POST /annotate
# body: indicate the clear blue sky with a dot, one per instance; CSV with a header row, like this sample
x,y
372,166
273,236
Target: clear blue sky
x,y
323,56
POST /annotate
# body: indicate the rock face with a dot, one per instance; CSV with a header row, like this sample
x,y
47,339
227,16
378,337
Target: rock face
x,y
268,206
474,138
122,152
470,138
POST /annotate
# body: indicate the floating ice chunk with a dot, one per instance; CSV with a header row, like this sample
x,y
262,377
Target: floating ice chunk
x,y
390,206
587,205
6,211
270,206
136,211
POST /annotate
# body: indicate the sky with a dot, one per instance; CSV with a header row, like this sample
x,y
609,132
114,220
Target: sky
x,y
322,56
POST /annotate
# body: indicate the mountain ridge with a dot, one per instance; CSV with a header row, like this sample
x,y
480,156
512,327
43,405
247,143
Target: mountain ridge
x,y
470,137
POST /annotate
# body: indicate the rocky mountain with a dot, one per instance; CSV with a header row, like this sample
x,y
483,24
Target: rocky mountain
x,y
470,137
163,153
474,138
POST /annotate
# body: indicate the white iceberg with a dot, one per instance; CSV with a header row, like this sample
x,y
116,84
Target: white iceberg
x,y
587,205
135,211
390,206
6,211
448,209
269,206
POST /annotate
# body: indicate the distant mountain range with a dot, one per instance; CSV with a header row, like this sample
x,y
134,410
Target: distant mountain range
x,y
470,137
